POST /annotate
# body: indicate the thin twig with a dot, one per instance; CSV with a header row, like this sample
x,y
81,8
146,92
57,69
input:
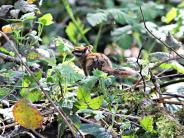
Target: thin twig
x,y
140,66
174,95
156,85
9,126
38,134
165,44
20,134
59,110
3,127
165,61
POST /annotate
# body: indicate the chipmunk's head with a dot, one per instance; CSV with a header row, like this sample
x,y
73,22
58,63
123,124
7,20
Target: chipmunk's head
x,y
82,51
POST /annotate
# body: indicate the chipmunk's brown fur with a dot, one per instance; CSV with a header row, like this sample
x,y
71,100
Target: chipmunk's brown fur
x,y
90,61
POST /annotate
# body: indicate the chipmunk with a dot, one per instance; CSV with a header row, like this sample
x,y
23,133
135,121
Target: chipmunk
x,y
90,61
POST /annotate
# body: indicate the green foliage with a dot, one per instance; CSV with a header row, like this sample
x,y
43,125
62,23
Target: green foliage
x,y
171,15
95,130
114,27
46,19
165,127
73,33
102,16
147,124
174,65
4,92
29,91
85,100
68,73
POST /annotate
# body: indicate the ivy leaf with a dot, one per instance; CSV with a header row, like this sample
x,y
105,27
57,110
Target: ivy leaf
x,y
83,95
95,130
96,102
27,115
90,82
33,95
147,123
46,19
76,120
69,72
4,91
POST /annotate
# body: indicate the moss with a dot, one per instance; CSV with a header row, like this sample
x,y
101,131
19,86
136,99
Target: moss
x,y
169,128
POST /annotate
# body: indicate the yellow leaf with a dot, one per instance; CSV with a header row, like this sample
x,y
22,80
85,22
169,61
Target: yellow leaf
x,y
171,15
31,1
27,115
7,28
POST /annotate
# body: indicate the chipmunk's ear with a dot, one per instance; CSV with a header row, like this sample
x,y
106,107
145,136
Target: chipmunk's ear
x,y
90,47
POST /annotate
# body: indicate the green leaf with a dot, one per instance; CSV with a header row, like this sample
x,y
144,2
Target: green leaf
x,y
102,16
147,123
4,50
181,5
83,95
98,73
129,136
120,35
73,32
33,94
97,18
46,19
28,16
4,91
99,115
171,15
139,2
96,102
159,56
174,65
76,120
81,105
89,82
151,10
69,72
95,130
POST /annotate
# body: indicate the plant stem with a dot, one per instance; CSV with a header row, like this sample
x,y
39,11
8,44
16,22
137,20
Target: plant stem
x,y
70,13
98,37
